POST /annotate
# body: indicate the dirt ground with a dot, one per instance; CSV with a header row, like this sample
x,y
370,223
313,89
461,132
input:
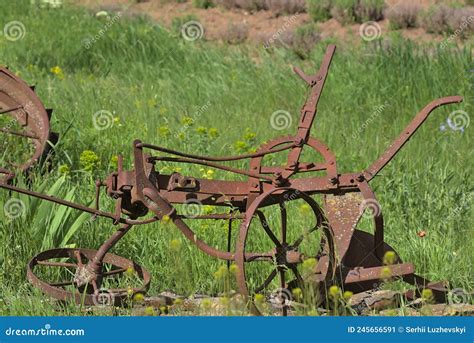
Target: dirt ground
x,y
259,26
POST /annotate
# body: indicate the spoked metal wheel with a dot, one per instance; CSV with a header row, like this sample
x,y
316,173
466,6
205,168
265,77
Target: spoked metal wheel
x,y
64,274
302,247
24,126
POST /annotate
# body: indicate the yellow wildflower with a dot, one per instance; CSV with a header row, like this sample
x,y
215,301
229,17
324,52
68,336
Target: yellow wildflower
x,y
233,268
114,160
305,208
130,271
206,303
213,132
63,169
207,209
427,295
389,257
297,293
249,136
149,311
187,121
175,244
385,273
201,130
240,145
334,292
164,131
152,103
221,272
347,295
89,160
225,301
309,264
139,297
57,71
259,298
166,219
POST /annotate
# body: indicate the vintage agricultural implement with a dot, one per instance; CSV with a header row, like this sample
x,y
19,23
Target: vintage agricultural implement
x,y
343,255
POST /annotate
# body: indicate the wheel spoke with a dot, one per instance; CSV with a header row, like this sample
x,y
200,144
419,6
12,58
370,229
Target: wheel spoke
x,y
11,109
78,256
295,271
267,281
283,222
114,272
95,287
300,239
250,257
267,229
19,134
62,283
57,264
284,308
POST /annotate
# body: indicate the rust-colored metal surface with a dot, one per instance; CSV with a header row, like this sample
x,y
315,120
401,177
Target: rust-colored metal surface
x,y
28,120
343,255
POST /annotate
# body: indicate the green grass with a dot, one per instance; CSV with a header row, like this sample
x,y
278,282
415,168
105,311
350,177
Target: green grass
x,y
151,80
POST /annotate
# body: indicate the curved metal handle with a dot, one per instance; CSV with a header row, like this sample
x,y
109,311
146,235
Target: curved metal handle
x,y
397,144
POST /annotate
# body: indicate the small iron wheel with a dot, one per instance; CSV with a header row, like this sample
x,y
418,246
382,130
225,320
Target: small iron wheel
x,y
64,274
291,248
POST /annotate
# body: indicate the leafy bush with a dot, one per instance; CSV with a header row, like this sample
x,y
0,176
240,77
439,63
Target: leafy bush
x,y
178,22
228,4
344,11
319,10
462,21
302,40
286,6
369,10
248,5
236,33
203,3
444,19
403,15
435,19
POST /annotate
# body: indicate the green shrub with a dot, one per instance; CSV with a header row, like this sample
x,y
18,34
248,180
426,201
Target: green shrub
x,y
344,11
435,18
319,10
367,10
236,33
286,6
248,5
178,22
403,15
359,11
203,3
444,19
304,40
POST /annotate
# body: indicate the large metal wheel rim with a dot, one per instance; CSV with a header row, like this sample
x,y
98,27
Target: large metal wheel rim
x,y
20,102
328,270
